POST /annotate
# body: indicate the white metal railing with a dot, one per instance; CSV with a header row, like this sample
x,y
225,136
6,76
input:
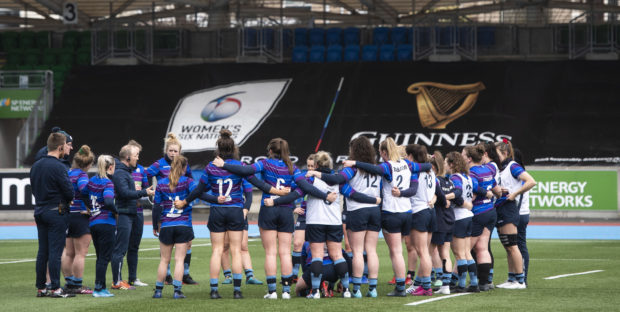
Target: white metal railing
x,y
107,42
586,36
263,41
43,80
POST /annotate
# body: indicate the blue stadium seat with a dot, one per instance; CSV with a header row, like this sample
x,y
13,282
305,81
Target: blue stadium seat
x,y
287,38
386,53
369,53
317,54
334,54
352,53
300,54
423,37
443,36
333,36
400,35
317,37
268,35
301,37
404,52
251,38
351,36
380,35
486,36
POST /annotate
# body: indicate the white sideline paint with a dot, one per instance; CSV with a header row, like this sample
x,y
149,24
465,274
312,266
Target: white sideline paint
x,y
436,299
572,274
91,255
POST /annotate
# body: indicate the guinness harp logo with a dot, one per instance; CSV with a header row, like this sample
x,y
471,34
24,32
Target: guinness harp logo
x,y
437,102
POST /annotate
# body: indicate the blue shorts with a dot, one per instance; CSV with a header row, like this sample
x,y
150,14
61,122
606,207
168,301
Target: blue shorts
x,y
364,219
176,235
424,221
276,218
486,219
78,225
507,212
462,228
399,222
300,224
222,219
320,233
439,238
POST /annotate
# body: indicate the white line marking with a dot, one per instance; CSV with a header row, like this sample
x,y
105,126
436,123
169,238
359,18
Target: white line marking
x,y
436,299
550,259
572,274
92,255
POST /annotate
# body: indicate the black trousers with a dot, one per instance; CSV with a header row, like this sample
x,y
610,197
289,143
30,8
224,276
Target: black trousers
x,y
104,237
52,233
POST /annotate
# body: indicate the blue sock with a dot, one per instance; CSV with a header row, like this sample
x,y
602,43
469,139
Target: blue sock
x,y
271,283
454,278
286,284
214,283
417,281
177,285
372,283
520,278
168,272
512,277
491,276
438,273
296,265
227,273
400,284
77,282
426,282
446,278
159,285
249,273
357,283
473,272
185,269
342,271
316,278
237,281
462,272
69,280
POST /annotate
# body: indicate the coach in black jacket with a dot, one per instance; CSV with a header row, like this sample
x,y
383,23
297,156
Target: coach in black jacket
x,y
126,203
64,159
53,192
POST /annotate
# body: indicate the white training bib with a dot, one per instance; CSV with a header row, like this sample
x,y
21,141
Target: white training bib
x,y
321,212
506,179
425,193
468,196
401,178
367,184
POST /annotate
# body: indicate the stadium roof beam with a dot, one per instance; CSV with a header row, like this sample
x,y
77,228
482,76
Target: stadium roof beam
x,y
32,8
382,9
148,16
57,8
122,7
345,6
38,22
595,7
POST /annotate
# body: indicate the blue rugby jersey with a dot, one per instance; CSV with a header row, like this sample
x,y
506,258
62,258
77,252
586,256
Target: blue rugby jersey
x,y
141,179
161,169
170,216
99,189
307,255
220,182
79,180
275,173
515,171
485,178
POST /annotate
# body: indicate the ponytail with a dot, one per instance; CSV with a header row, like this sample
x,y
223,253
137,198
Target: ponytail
x,y
103,163
418,152
171,139
83,158
279,149
177,170
437,162
506,147
389,146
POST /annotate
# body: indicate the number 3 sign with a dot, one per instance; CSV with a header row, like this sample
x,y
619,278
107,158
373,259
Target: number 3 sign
x,y
70,13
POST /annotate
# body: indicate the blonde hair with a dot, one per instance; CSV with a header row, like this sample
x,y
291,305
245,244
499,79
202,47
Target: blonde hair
x,y
103,163
402,151
83,158
389,146
126,151
323,159
171,139
136,144
177,170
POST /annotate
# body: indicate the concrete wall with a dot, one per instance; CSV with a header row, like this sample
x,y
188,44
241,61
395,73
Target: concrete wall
x,y
9,128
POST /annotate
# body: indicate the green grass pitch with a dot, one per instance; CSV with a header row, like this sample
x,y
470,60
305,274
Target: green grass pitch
x,y
594,292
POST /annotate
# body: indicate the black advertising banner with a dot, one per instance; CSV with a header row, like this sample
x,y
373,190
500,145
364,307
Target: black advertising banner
x,y
555,112
15,190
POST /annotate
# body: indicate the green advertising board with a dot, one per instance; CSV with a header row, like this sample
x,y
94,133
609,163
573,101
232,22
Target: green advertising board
x,y
574,190
17,103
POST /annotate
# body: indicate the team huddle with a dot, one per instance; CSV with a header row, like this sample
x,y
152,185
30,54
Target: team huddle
x,y
434,204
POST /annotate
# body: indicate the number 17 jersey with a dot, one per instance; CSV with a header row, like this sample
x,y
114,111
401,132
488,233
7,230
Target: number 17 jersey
x,y
223,183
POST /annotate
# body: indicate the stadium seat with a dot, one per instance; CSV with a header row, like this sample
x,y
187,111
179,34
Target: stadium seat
x,y
31,57
317,54
369,53
301,36
380,35
9,41
423,37
404,52
42,39
317,37
334,54
333,36
287,38
83,57
443,36
84,40
27,40
251,37
268,35
69,40
352,53
14,57
400,35
351,36
386,53
66,57
300,54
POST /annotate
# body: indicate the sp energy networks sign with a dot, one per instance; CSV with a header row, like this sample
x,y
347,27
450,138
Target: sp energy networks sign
x,y
15,103
574,190
240,108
